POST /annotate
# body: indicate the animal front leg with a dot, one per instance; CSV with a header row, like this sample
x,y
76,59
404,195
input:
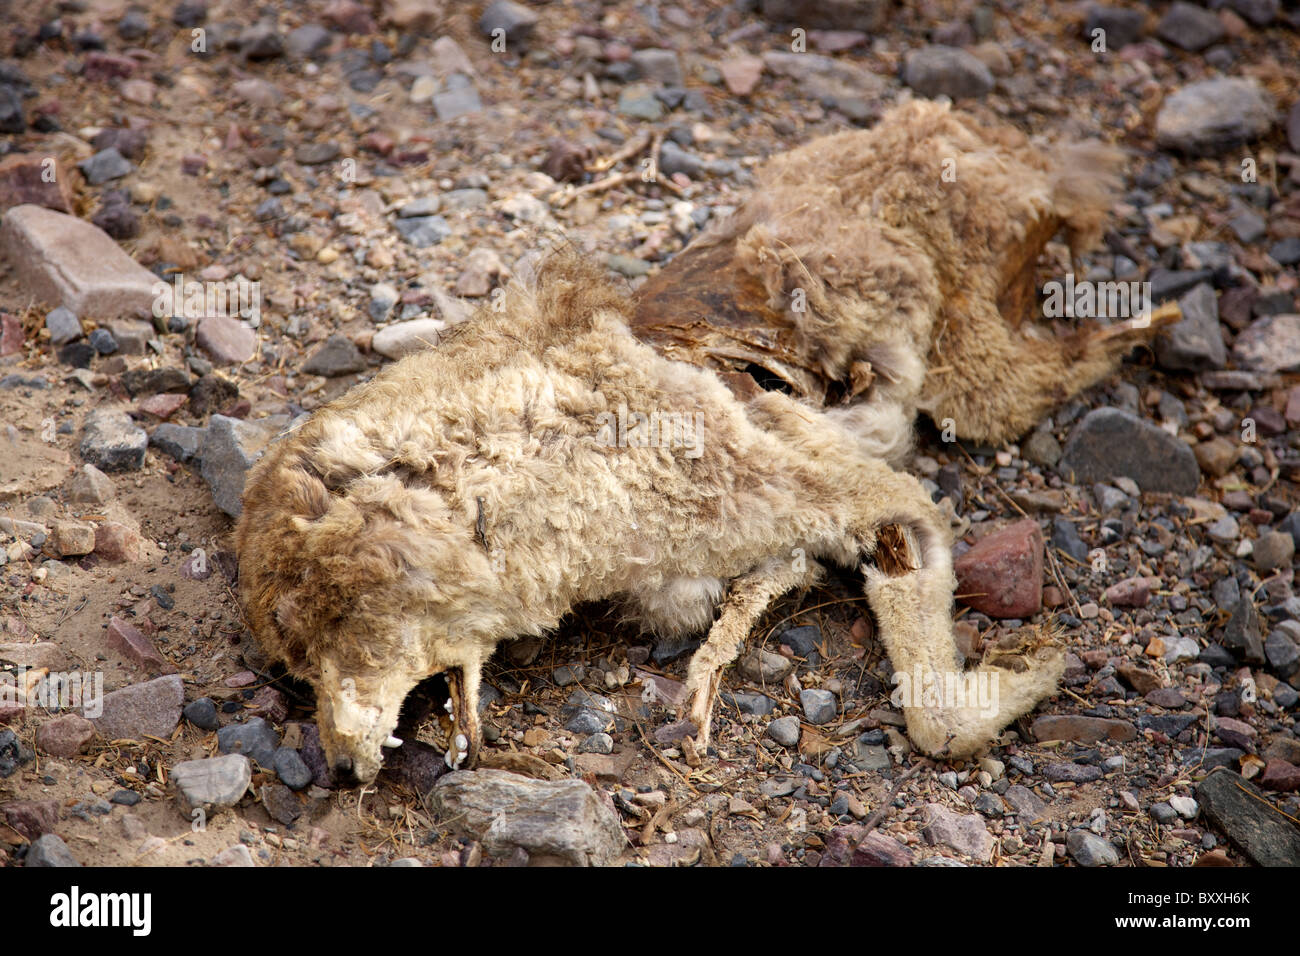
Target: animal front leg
x,y
464,735
747,599
950,711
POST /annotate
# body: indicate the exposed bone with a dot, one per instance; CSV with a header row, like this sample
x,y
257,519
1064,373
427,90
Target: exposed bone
x,y
393,742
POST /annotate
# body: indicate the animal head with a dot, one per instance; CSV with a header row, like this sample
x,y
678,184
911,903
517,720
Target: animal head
x,y
356,714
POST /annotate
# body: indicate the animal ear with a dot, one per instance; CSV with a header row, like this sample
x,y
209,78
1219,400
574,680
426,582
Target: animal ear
x,y
307,495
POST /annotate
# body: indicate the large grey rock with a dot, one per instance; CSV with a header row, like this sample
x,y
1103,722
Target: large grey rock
x,y
255,739
111,441
1088,849
1196,342
559,821
1213,116
49,850
1111,443
211,783
230,447
63,260
947,71
1237,807
151,708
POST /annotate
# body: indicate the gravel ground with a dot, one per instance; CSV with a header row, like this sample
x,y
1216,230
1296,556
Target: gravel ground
x,y
360,171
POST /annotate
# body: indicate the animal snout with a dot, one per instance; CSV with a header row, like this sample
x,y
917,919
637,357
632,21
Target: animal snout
x,y
345,772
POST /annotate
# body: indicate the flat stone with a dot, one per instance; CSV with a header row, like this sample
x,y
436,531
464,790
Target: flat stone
x,y
1280,776
638,101
964,832
113,442
658,65
1111,443
149,709
1080,729
1002,575
1216,456
1236,807
1131,592
1141,679
202,713
947,71
228,341
1064,771
106,165
291,769
562,821
1212,116
212,783
1270,344
460,101
63,260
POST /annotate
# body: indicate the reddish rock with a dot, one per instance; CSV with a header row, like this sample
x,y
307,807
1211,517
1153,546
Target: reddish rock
x,y
1280,775
150,709
348,16
270,704
196,567
11,335
117,542
846,846
31,818
33,178
1293,406
741,74
107,66
128,639
228,341
1084,730
65,735
1002,576
63,260
1133,592
163,405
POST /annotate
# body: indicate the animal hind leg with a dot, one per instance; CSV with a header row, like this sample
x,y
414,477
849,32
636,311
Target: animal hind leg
x,y
748,597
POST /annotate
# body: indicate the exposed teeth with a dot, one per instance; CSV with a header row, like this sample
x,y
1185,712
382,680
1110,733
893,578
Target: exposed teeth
x,y
393,742
447,706
449,760
462,743
454,759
